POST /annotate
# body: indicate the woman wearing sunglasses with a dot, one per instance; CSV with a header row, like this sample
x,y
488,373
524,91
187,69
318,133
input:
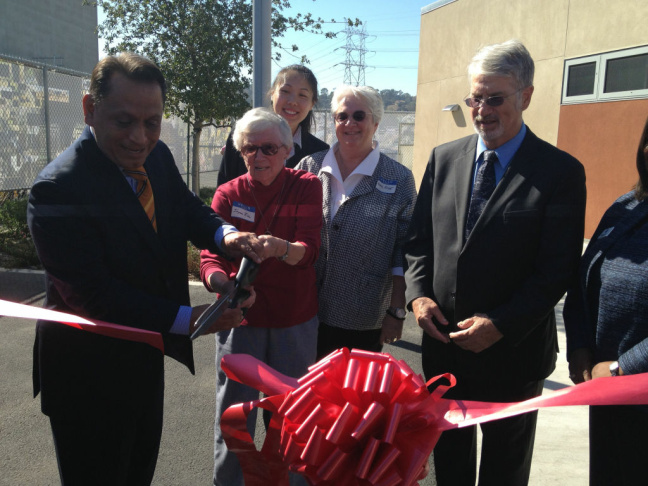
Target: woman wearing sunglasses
x,y
368,202
284,207
293,96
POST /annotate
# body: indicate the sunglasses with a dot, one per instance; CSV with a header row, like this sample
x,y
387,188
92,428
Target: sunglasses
x,y
490,101
357,116
267,149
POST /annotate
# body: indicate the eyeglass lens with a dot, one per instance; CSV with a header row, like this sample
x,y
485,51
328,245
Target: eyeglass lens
x,y
357,116
267,149
477,102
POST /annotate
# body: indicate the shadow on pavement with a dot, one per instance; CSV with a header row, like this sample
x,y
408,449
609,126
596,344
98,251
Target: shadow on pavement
x,y
24,286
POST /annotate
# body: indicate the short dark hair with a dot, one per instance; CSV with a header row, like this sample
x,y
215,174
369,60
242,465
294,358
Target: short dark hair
x,y
310,78
641,188
133,66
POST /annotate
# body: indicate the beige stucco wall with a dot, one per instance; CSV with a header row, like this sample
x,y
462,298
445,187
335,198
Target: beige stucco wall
x,y
552,30
597,26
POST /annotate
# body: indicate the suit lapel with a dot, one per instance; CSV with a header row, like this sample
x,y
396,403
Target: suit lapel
x,y
522,167
119,193
367,184
464,172
326,196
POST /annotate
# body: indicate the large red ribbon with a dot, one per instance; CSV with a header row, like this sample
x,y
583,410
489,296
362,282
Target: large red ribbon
x,y
12,309
360,418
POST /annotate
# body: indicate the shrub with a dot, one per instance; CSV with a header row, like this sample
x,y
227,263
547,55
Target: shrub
x,y
193,262
18,248
207,194
15,240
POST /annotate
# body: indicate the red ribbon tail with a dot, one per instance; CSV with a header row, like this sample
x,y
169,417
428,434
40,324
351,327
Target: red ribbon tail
x,y
13,309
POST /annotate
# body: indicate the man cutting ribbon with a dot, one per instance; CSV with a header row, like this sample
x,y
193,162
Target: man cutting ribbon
x,y
110,218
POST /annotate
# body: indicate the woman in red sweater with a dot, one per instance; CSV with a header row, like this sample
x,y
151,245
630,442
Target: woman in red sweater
x,y
284,207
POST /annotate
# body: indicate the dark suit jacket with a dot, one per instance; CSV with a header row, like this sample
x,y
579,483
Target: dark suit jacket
x,y
517,263
233,165
103,260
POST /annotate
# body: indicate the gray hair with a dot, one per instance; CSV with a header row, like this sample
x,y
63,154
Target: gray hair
x,y
258,120
365,93
508,59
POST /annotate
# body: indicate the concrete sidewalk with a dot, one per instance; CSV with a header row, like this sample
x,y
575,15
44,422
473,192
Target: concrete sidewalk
x,y
27,453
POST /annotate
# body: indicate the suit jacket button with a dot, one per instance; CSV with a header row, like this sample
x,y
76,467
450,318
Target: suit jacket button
x,y
336,227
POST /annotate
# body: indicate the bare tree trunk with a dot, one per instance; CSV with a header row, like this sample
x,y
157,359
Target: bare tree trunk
x,y
195,158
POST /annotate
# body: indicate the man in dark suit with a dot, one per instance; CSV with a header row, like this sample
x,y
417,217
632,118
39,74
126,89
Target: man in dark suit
x,y
486,268
116,253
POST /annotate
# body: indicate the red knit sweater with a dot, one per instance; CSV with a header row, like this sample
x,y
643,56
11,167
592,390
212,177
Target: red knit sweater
x,y
286,295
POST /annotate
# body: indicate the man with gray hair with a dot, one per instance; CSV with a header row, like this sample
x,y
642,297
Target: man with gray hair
x,y
494,242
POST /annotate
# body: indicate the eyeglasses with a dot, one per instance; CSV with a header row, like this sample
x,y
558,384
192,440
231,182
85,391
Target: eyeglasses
x,y
267,149
357,116
490,101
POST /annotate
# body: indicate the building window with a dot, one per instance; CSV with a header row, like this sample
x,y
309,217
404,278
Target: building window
x,y
606,77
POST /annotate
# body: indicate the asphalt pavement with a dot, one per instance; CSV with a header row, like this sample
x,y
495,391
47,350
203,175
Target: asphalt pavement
x,y
27,452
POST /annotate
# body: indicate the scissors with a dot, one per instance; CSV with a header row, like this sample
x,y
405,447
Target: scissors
x,y
230,299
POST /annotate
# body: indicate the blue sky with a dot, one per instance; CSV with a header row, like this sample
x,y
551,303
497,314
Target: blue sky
x,y
392,41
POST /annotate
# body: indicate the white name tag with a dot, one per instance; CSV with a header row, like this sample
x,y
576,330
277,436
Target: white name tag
x,y
386,186
242,211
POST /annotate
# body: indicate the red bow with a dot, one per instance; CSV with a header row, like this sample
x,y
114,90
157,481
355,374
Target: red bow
x,y
361,418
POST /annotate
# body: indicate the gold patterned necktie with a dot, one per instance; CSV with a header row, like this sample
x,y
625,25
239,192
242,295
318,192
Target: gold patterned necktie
x,y
144,193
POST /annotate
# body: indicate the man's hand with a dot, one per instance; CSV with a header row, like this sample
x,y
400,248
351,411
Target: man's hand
x,y
239,243
602,370
424,310
580,365
477,334
392,330
219,283
231,318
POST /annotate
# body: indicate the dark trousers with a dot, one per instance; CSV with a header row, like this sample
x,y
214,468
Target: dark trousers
x,y
507,444
112,445
507,449
618,448
330,338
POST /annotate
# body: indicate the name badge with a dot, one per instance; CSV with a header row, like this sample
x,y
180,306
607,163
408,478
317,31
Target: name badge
x,y
386,186
242,211
606,232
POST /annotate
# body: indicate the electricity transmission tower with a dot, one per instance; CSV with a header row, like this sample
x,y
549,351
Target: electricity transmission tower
x,y
354,66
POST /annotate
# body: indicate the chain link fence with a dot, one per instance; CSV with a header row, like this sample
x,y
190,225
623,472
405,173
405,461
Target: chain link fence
x,y
41,115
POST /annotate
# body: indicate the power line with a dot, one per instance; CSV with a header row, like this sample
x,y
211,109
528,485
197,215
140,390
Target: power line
x,y
355,56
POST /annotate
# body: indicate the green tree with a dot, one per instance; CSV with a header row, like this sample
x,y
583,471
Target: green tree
x,y
324,99
396,100
204,48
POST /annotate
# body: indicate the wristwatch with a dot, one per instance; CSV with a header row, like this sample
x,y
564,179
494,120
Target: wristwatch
x,y
285,255
614,368
397,313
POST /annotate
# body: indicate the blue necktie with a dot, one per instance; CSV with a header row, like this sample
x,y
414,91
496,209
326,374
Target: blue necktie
x,y
482,190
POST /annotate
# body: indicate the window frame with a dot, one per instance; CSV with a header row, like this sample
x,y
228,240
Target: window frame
x,y
601,63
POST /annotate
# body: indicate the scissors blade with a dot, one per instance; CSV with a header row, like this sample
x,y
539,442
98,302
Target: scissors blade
x,y
211,314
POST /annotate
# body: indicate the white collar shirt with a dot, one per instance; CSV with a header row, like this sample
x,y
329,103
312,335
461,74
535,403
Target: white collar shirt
x,y
342,189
